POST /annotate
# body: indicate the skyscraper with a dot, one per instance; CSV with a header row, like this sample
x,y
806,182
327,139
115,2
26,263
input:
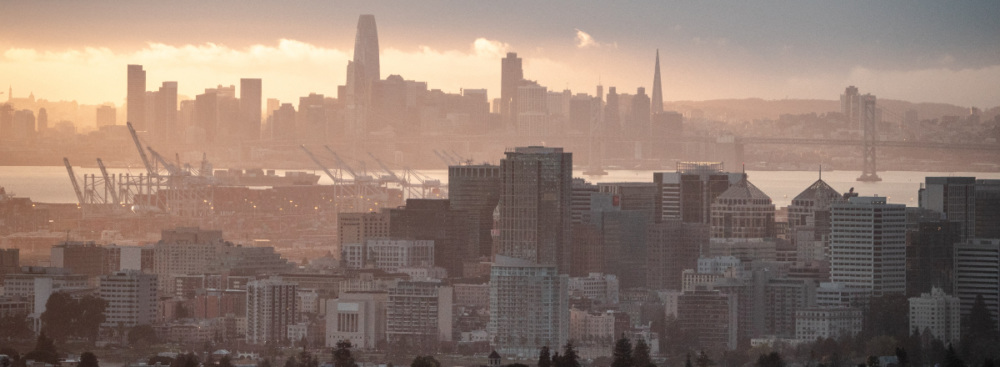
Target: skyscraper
x,y
271,307
529,306
366,51
868,245
953,196
165,125
850,105
657,105
535,195
362,72
136,100
511,75
250,108
476,190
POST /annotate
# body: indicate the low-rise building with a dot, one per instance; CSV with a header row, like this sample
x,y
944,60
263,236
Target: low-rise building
x,y
826,322
937,312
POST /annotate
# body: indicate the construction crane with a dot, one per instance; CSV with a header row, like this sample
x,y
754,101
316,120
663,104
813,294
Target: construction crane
x,y
172,169
72,178
312,156
142,152
108,181
444,158
343,165
392,175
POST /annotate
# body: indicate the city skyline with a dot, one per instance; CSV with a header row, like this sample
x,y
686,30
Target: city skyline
x,y
889,49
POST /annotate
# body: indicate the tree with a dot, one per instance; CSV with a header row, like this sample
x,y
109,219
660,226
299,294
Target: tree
x,y
904,360
45,350
265,363
342,355
425,361
622,354
640,355
88,359
226,361
687,362
951,358
772,359
65,317
291,362
186,360
16,327
703,360
979,333
306,359
544,359
141,335
873,362
569,357
89,316
162,360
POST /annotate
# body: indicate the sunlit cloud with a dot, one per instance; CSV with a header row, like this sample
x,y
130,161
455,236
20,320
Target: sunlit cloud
x,y
584,40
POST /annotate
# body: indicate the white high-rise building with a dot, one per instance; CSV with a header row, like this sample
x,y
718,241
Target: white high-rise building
x,y
868,245
272,305
529,307
131,297
937,312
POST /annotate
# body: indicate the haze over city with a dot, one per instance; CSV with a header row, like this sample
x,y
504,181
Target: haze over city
x,y
917,51
503,184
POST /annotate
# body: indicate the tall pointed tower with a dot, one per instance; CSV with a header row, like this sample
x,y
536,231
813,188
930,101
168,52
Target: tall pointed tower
x,y
362,72
366,50
657,105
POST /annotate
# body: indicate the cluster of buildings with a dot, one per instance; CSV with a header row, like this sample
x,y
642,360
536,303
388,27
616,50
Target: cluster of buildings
x,y
523,255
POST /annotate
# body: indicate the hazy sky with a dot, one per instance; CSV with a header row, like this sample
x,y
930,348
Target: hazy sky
x,y
923,51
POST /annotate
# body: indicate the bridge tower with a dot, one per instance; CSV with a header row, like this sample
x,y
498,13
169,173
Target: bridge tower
x,y
868,172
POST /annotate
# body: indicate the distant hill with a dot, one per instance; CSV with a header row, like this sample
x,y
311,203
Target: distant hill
x,y
735,110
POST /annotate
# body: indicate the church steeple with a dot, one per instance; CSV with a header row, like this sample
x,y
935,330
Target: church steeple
x,y
657,96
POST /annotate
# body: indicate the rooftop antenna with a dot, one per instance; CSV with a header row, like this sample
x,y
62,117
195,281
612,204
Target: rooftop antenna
x,y
821,172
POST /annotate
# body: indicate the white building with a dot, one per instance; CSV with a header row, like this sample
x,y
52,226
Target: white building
x,y
868,245
591,327
359,317
823,322
937,312
389,255
272,305
131,297
419,312
529,307
602,288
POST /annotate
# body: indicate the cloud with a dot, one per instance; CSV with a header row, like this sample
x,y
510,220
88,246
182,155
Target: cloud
x,y
584,40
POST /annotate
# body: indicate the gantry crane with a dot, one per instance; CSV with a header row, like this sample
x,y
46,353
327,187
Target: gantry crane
x,y
72,178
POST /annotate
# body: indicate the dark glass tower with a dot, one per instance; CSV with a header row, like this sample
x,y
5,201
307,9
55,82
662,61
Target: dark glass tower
x,y
535,196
